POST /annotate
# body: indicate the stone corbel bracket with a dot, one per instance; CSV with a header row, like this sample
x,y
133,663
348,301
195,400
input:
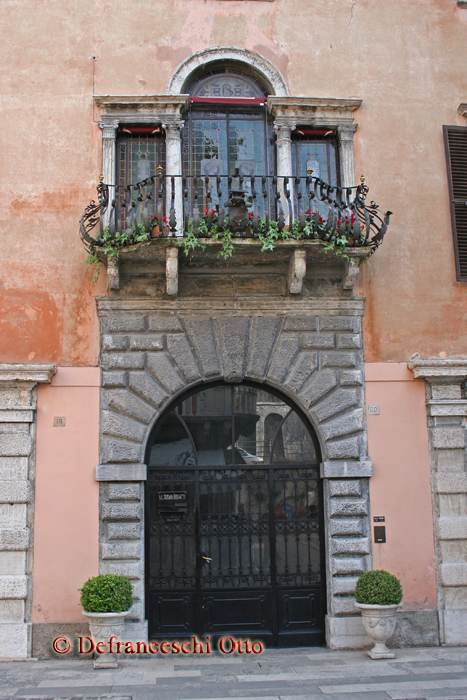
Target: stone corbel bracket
x,y
352,268
297,270
171,271
462,109
113,272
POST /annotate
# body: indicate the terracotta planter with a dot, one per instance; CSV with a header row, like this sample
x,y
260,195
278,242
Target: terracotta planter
x,y
379,622
155,231
103,626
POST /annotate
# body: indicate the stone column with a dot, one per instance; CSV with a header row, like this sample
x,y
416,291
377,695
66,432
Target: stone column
x,y
174,167
109,129
447,429
346,154
18,398
283,127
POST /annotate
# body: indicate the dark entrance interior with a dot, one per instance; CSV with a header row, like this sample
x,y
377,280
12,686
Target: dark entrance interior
x,y
234,520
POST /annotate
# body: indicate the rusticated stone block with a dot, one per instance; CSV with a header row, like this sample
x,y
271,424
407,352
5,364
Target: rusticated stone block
x,y
121,511
204,339
11,611
124,492
339,359
13,563
318,341
451,483
348,506
448,438
343,605
349,487
130,405
122,550
350,545
234,336
338,401
454,574
143,384
122,568
15,444
264,334
344,449
14,538
348,342
164,324
304,365
286,351
123,322
450,460
121,472
182,354
347,526
115,380
320,384
127,360
120,451
147,342
348,423
121,426
351,377
301,323
453,528
346,469
446,391
12,468
15,491
13,514
339,323
114,342
344,585
14,640
349,566
13,587
161,366
124,531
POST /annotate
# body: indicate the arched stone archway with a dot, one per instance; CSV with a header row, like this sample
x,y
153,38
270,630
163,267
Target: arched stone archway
x,y
260,65
154,350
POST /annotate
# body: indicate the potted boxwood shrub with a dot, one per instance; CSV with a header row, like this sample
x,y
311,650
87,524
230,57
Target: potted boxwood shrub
x,y
379,595
106,601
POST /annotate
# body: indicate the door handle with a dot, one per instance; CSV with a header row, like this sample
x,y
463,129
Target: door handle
x,y
207,558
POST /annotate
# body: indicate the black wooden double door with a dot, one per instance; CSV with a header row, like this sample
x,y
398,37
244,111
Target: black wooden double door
x,y
235,551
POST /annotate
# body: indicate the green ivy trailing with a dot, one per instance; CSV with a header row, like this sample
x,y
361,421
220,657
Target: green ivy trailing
x,y
378,588
268,235
110,245
107,593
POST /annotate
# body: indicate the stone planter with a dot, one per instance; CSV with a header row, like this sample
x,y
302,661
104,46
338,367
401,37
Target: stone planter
x,y
103,626
379,622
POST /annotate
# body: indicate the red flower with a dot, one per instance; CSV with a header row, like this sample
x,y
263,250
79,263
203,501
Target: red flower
x,y
251,214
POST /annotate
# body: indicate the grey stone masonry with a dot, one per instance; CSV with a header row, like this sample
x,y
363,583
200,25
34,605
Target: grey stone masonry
x,y
445,382
18,396
311,350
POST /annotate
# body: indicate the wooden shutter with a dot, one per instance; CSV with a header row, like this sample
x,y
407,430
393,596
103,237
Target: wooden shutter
x,y
455,140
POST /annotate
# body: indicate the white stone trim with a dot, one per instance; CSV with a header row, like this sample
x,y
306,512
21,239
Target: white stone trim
x,y
447,429
18,398
273,77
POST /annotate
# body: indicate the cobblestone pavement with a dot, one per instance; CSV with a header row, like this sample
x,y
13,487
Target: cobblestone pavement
x,y
292,674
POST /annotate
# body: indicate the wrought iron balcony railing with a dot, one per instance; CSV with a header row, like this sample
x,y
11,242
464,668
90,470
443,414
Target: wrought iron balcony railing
x,y
267,208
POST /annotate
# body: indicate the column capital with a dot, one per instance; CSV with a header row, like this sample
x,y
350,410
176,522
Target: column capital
x,y
346,132
34,374
173,126
283,126
109,127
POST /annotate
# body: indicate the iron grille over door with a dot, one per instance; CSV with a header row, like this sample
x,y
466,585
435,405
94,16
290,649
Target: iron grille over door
x,y
234,520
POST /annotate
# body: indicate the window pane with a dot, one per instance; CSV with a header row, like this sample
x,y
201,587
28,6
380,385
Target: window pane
x,y
172,446
208,416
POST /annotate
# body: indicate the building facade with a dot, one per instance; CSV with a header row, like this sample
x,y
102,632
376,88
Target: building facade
x,y
256,390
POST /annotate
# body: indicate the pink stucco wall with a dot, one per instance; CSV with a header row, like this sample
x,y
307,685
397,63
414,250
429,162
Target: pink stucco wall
x,y
66,519
400,486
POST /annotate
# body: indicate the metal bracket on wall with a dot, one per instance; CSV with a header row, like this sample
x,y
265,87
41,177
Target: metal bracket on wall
x,y
297,270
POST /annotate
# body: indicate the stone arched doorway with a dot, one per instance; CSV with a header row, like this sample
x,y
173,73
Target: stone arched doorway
x,y
234,526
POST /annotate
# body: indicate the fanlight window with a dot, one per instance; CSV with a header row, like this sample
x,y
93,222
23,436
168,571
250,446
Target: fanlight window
x,y
227,425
